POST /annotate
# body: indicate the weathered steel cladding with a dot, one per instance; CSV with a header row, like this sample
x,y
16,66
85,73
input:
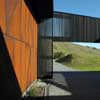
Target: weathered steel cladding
x,y
82,28
19,29
85,29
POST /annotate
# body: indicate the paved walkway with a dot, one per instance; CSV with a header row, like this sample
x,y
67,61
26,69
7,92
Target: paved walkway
x,y
57,91
59,88
60,67
84,85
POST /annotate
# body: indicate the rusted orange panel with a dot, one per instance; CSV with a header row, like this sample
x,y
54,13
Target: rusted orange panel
x,y
19,66
3,16
22,24
23,67
11,6
24,21
14,28
29,25
25,64
10,46
21,40
17,61
33,64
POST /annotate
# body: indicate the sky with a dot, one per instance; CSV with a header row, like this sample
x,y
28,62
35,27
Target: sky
x,y
81,7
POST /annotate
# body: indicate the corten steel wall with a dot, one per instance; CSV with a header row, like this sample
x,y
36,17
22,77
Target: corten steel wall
x,y
19,30
71,27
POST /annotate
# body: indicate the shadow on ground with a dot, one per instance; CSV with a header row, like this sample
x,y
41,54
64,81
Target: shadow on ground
x,y
83,85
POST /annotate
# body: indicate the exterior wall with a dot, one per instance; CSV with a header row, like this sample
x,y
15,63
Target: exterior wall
x,y
77,28
45,49
20,33
86,29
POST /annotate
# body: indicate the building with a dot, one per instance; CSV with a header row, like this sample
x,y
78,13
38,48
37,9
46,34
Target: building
x,y
75,28
27,31
19,25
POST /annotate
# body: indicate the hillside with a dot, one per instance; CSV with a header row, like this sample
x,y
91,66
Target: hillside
x,y
76,56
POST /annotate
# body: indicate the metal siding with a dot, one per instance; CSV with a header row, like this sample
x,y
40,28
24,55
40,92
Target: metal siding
x,y
45,49
20,33
83,28
3,15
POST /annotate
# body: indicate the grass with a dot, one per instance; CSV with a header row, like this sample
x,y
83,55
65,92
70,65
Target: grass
x,y
35,91
89,68
83,58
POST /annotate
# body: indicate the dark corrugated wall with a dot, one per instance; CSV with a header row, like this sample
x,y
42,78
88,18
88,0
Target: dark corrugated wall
x,y
45,49
71,27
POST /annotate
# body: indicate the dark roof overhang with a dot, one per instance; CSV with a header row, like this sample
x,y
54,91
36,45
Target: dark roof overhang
x,y
40,9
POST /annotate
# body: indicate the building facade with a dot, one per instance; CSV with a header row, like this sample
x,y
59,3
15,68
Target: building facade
x,y
19,26
27,31
75,28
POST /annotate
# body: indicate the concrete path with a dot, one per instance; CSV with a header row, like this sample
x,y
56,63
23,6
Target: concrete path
x,y
60,86
57,91
83,85
60,67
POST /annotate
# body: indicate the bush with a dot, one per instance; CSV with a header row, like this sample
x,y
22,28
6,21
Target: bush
x,y
35,91
94,48
57,55
67,59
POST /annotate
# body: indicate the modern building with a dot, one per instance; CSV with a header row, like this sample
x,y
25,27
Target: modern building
x,y
19,26
75,28
27,31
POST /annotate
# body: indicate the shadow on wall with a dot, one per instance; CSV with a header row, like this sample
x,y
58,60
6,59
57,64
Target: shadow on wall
x,y
97,41
40,9
84,85
9,88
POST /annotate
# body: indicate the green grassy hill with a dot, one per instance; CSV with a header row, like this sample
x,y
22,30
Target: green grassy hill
x,y
83,58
